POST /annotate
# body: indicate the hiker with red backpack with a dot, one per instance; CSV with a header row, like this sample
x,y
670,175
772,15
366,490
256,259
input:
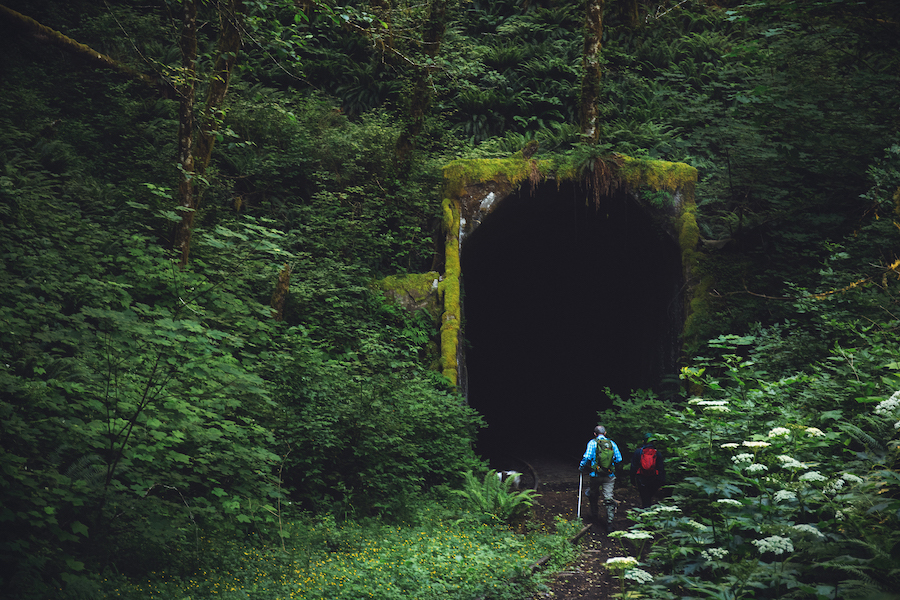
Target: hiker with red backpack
x,y
600,458
648,472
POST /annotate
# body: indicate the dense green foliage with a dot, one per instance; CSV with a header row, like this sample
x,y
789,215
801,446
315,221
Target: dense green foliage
x,y
151,412
442,557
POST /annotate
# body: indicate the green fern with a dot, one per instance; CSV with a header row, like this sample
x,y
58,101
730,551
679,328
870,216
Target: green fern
x,y
494,497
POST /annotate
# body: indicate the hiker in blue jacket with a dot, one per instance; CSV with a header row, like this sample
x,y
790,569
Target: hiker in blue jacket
x,y
600,477
649,476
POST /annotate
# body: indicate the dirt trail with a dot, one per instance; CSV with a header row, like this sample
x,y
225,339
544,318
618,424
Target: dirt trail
x,y
586,578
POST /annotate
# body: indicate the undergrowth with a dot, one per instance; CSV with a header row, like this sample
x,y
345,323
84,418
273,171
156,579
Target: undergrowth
x,y
443,554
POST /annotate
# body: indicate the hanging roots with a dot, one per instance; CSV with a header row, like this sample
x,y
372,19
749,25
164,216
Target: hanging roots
x,y
602,177
534,175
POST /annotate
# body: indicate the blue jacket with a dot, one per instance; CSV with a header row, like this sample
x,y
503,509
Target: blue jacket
x,y
588,459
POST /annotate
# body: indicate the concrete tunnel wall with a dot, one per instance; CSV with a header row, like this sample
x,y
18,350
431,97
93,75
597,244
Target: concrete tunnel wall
x,y
561,300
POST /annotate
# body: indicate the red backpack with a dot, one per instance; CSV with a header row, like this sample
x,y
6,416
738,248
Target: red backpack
x,y
648,462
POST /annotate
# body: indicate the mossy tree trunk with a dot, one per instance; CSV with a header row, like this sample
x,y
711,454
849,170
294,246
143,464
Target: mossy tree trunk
x,y
590,69
194,163
420,100
228,46
631,10
186,96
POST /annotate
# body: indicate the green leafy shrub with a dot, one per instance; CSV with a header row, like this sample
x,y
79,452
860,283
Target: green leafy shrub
x,y
494,498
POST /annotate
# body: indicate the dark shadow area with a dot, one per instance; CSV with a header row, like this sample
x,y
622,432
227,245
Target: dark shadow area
x,y
562,300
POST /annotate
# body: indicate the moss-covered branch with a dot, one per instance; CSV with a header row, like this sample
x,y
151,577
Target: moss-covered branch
x,y
51,36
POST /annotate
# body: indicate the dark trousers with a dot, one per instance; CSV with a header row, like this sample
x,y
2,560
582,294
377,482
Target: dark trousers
x,y
647,488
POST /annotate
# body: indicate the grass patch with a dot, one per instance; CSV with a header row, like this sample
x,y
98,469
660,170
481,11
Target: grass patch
x,y
442,556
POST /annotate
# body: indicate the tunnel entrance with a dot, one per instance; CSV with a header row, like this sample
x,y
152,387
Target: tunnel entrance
x,y
561,300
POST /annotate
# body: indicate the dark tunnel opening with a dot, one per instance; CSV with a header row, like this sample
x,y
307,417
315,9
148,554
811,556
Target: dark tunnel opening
x,y
561,300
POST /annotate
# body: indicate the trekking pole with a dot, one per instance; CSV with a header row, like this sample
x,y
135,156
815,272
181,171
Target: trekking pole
x,y
579,495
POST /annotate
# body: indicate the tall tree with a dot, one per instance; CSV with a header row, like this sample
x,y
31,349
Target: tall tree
x,y
590,67
186,94
194,158
420,102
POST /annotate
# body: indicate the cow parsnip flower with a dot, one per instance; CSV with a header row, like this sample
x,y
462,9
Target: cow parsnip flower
x,y
621,562
805,528
784,495
714,553
728,501
774,544
755,444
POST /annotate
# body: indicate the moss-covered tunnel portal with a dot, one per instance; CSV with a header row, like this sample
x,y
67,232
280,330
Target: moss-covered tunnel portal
x,y
561,300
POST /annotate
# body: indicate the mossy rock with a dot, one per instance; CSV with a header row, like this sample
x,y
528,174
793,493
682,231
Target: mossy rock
x,y
413,291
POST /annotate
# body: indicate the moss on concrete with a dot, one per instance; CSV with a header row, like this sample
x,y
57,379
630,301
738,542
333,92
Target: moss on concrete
x,y
514,170
503,175
413,291
450,291
658,175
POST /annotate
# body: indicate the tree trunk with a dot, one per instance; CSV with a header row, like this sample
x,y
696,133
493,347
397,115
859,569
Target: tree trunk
x,y
194,162
281,291
631,10
590,66
420,101
186,94
227,50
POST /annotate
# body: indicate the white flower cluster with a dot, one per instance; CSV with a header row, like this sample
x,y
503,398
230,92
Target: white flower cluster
x,y
729,445
714,553
711,405
803,527
702,402
851,478
783,495
789,462
728,501
696,525
621,562
638,575
813,476
774,544
742,458
665,511
814,432
889,407
834,487
756,444
779,431
757,468
631,535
